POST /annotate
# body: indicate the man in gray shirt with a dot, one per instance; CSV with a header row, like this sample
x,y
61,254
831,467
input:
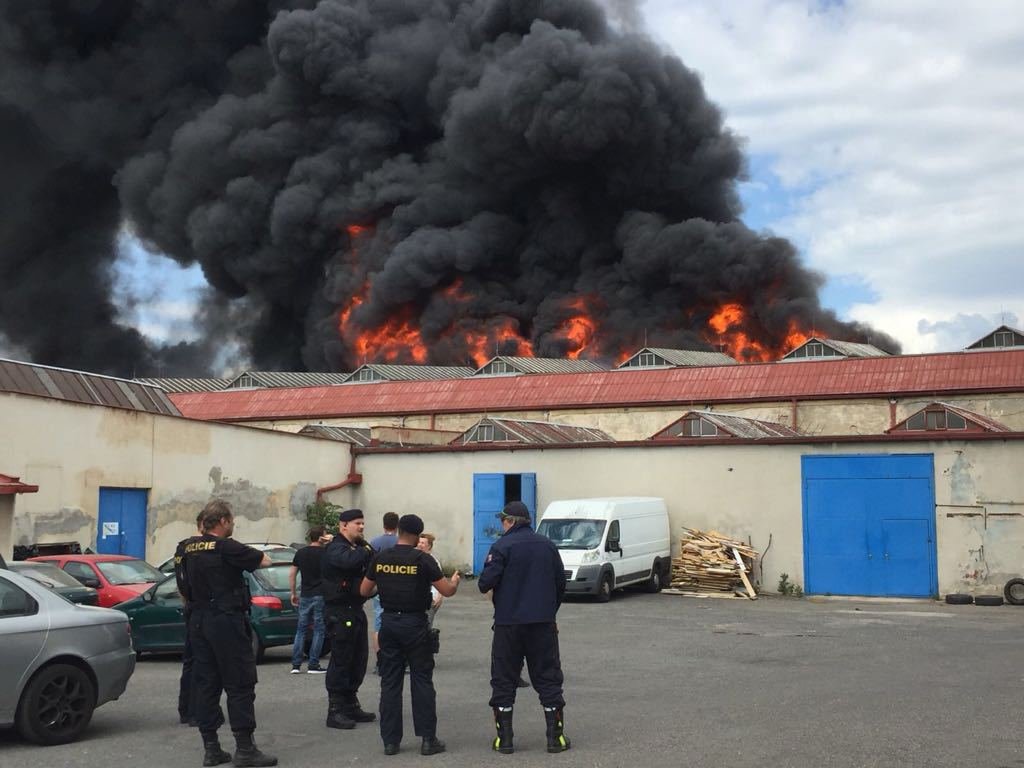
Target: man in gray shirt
x,y
386,540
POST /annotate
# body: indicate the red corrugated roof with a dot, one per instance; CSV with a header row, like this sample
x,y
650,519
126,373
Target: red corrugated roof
x,y
995,371
10,484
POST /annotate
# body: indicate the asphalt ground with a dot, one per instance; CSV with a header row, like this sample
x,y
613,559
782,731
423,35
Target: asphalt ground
x,y
651,680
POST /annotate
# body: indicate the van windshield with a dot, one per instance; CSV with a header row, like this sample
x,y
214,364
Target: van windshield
x,y
573,534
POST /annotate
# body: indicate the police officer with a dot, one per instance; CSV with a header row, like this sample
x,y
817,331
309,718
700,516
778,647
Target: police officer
x,y
343,566
210,572
186,691
525,571
403,576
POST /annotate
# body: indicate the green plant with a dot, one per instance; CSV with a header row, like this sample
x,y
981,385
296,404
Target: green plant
x,y
787,588
323,513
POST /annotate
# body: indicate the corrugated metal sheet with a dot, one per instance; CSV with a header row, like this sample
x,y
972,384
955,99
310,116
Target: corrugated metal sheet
x,y
984,422
1001,370
845,348
185,384
410,372
543,365
733,426
355,435
681,357
10,484
534,433
79,387
291,378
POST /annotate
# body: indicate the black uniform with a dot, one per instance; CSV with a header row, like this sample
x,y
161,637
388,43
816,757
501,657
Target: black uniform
x,y
403,575
186,690
344,565
211,581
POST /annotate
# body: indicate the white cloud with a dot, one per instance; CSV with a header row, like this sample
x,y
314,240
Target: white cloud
x,y
906,123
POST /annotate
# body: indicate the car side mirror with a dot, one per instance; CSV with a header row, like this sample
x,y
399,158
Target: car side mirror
x,y
87,582
149,596
613,545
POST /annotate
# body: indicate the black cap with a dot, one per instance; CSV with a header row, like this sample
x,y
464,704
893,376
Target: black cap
x,y
410,524
349,515
515,509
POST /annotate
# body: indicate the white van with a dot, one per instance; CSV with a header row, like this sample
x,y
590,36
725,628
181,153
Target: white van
x,y
610,543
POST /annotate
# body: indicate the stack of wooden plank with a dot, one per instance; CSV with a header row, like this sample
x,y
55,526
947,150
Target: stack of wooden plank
x,y
711,562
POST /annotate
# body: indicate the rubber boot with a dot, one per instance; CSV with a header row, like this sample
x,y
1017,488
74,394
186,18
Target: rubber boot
x,y
557,740
354,711
212,753
247,754
336,717
503,726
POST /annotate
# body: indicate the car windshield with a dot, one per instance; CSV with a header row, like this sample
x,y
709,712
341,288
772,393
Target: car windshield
x,y
49,576
130,572
573,534
274,577
280,555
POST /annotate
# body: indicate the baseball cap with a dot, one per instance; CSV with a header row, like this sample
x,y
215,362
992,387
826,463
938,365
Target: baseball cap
x,y
515,509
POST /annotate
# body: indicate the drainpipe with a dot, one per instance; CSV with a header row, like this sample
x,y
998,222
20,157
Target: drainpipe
x,y
792,416
892,412
354,478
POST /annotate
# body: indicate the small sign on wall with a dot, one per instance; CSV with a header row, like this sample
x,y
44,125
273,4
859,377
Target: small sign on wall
x,y
110,529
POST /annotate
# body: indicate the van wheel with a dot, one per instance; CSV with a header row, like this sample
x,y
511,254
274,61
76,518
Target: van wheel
x,y
653,584
604,592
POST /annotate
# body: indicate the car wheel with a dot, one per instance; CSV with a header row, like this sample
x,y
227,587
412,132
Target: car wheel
x,y
56,705
959,599
988,600
258,649
653,584
604,592
1014,591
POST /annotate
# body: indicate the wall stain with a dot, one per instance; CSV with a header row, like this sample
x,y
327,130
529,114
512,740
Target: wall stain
x,y
67,523
962,487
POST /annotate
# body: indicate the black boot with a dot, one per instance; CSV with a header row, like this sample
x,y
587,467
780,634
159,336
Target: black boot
x,y
557,740
336,717
503,725
247,754
212,753
431,746
354,711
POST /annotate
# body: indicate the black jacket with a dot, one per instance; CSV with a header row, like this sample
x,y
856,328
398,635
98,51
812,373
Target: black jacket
x,y
343,566
526,573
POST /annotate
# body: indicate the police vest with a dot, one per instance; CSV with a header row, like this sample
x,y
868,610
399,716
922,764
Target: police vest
x,y
403,575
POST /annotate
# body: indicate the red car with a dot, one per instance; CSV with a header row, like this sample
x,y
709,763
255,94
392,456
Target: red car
x,y
115,578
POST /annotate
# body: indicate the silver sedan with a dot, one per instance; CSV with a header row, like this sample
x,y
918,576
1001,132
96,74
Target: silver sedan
x,y
60,661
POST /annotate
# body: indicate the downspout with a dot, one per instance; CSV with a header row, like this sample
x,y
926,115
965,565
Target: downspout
x,y
354,478
792,416
892,412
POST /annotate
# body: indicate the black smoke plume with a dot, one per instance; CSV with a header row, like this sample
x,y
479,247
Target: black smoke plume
x,y
521,154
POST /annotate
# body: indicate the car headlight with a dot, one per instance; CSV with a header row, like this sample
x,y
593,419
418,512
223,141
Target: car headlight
x,y
590,556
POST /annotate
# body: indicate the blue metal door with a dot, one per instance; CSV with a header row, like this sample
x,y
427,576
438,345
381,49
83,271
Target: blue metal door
x,y
869,525
121,524
528,494
488,500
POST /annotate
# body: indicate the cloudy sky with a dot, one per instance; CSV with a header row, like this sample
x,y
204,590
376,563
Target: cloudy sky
x,y
885,138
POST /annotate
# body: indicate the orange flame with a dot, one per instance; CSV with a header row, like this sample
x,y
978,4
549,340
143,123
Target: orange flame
x,y
579,328
731,332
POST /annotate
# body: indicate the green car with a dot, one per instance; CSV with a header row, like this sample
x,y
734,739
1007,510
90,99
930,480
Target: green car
x,y
158,623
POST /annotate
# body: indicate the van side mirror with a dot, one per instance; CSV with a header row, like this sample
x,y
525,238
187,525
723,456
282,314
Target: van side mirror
x,y
613,545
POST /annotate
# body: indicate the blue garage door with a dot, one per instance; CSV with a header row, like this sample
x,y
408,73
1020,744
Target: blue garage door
x,y
869,525
121,528
491,492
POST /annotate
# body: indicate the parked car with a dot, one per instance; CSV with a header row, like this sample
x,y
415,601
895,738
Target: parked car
x,y
116,578
158,622
278,553
56,580
60,661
